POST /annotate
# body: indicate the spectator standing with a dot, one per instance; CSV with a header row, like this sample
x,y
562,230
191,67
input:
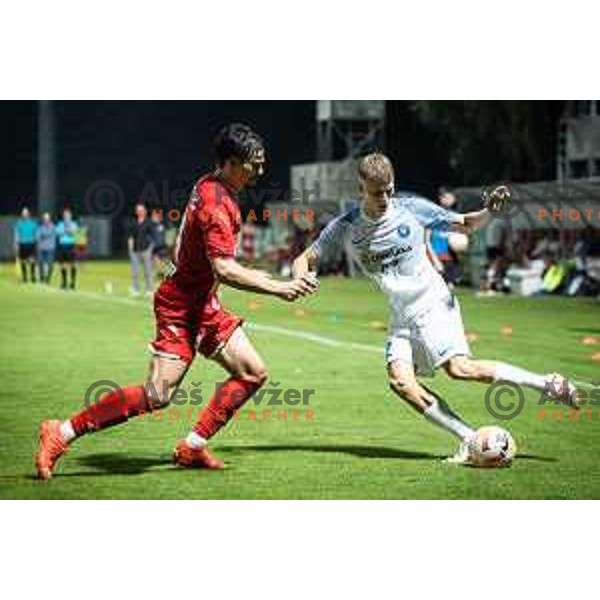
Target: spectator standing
x,y
46,247
25,237
66,230
139,244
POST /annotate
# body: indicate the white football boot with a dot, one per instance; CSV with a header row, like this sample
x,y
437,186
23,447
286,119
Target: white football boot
x,y
563,389
461,456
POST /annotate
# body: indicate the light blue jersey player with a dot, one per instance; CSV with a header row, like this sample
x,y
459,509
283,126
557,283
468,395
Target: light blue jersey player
x,y
385,234
426,327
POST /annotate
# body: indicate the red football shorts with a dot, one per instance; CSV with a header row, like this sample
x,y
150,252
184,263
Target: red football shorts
x,y
188,322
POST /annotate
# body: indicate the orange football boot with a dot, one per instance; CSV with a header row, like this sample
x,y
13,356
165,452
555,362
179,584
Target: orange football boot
x,y
52,447
199,458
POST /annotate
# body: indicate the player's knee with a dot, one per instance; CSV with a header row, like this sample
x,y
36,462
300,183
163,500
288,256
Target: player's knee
x,y
257,375
461,369
157,398
405,388
159,394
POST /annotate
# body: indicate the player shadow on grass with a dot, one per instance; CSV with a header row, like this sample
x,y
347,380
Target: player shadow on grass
x,y
354,450
362,451
536,457
585,330
118,464
125,464
114,464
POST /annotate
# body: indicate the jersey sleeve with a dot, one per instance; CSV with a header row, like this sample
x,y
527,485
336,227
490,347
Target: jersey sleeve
x,y
432,216
218,228
330,243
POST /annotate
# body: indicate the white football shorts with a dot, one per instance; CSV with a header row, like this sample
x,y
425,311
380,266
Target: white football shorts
x,y
430,339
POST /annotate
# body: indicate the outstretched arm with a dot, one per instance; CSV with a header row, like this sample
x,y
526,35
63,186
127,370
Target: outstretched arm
x,y
495,201
328,245
305,263
231,273
473,220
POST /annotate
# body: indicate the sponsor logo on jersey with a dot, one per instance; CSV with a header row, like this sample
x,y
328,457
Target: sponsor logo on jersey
x,y
383,260
403,231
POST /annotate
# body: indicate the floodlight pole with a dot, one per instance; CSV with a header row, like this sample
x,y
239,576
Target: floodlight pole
x,y
46,167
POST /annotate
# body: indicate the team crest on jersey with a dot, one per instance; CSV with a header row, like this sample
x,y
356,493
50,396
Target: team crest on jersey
x,y
403,231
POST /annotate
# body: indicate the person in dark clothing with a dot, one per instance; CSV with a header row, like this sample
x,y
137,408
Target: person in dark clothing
x,y
140,244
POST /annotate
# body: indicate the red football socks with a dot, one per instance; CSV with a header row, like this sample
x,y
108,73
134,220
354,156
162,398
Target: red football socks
x,y
115,408
119,406
221,407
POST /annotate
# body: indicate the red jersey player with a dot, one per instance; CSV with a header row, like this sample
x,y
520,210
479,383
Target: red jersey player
x,y
190,317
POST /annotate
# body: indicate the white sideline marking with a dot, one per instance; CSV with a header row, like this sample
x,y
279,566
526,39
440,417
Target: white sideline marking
x,y
313,337
302,335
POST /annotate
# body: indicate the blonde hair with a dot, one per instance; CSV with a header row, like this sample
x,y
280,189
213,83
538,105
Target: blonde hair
x,y
376,167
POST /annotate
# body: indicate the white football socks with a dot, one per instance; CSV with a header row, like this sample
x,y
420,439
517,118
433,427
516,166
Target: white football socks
x,y
67,431
441,415
520,376
193,440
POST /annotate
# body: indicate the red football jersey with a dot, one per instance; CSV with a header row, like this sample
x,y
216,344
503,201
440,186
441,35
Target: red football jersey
x,y
209,229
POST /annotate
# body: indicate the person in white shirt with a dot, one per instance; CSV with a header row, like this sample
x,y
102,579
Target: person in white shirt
x,y
386,236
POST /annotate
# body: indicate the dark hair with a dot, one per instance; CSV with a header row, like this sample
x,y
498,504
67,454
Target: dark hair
x,y
236,140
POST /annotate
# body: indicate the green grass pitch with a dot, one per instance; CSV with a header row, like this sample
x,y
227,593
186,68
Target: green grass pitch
x,y
362,443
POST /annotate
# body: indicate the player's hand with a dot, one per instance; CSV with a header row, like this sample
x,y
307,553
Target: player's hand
x,y
292,290
311,280
289,290
497,199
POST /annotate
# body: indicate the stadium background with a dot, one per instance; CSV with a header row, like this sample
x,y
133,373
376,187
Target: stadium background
x,y
62,149
54,345
136,143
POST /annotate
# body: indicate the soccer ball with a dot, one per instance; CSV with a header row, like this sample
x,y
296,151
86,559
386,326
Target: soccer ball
x,y
492,447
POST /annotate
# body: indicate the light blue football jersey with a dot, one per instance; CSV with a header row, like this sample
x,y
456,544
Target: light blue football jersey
x,y
392,250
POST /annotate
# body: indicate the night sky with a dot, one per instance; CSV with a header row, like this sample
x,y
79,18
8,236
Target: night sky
x,y
134,143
